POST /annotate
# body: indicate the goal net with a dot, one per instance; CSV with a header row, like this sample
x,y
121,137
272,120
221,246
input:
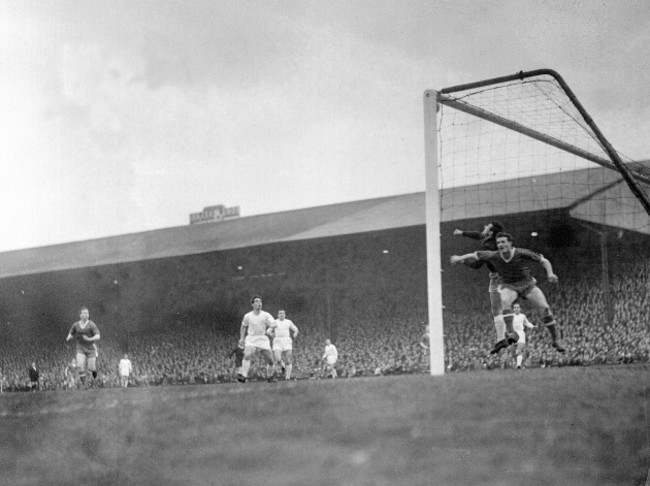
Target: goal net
x,y
523,151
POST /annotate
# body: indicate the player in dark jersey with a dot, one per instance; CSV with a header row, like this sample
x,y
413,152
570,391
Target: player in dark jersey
x,y
236,357
86,333
517,282
488,242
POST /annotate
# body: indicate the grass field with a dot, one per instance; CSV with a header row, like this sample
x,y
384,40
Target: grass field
x,y
553,426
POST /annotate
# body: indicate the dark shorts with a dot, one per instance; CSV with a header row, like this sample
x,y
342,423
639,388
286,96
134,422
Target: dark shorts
x,y
522,288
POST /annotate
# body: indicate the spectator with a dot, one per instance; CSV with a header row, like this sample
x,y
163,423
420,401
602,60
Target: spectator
x,y
33,377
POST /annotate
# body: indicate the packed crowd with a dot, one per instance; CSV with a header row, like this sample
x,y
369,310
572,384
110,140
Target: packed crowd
x,y
371,340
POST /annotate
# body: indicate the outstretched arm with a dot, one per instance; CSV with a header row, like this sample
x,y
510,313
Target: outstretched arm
x,y
528,324
472,257
475,235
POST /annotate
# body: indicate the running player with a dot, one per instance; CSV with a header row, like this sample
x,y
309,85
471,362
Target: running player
x,y
331,355
86,334
519,324
283,343
516,281
487,237
254,332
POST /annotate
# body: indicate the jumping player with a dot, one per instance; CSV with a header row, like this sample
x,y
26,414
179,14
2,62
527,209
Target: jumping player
x,y
487,237
283,343
516,281
255,328
86,334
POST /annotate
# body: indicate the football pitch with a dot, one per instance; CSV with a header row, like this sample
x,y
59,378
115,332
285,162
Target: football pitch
x,y
569,426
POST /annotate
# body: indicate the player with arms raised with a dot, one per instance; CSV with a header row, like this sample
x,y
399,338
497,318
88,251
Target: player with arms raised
x,y
517,282
487,238
255,327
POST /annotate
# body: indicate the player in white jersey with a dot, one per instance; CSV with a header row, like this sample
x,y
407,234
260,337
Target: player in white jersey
x,y
283,343
255,329
331,355
125,369
519,322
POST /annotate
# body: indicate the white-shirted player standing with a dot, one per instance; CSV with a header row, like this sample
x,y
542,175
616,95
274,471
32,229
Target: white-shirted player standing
x,y
283,343
331,355
519,322
255,328
125,369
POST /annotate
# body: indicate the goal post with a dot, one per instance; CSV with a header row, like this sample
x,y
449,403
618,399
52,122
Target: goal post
x,y
432,202
522,147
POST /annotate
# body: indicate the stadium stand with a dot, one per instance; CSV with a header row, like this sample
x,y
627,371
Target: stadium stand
x,y
178,315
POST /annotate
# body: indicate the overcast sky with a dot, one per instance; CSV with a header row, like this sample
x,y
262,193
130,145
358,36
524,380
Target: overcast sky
x,y
125,116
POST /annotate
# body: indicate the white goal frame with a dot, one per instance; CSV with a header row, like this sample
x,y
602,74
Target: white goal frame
x,y
432,100
432,203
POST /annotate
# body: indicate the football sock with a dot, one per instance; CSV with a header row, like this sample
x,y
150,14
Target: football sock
x,y
551,325
245,366
500,327
288,368
552,331
507,317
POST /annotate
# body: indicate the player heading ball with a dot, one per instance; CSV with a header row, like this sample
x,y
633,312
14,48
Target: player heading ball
x,y
517,282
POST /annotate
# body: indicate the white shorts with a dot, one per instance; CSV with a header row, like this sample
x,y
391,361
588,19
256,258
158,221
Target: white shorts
x,y
522,337
331,360
258,341
282,344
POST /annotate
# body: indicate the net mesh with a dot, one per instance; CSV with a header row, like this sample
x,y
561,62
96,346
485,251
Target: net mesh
x,y
521,153
526,147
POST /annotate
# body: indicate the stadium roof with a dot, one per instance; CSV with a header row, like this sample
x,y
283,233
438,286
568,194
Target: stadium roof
x,y
580,192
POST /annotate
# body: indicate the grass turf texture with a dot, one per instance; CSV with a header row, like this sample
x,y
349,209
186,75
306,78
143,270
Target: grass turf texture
x,y
552,426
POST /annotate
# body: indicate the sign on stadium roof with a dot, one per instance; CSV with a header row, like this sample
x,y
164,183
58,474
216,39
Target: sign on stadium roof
x,y
213,214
